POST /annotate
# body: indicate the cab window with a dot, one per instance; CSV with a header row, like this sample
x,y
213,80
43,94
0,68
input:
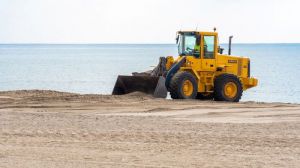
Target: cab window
x,y
189,44
209,47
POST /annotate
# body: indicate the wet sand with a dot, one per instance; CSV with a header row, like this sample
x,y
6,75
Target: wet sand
x,y
55,129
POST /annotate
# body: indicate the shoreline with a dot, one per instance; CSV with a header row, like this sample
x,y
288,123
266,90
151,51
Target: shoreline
x,y
46,92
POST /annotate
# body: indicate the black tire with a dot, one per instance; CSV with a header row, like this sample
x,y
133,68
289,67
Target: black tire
x,y
176,85
219,88
205,96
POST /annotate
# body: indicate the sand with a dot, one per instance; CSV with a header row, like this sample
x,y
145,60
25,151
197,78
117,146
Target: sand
x,y
56,129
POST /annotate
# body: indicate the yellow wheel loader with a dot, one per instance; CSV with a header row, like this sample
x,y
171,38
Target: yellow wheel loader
x,y
201,71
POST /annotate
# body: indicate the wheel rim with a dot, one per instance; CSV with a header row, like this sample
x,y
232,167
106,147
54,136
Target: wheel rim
x,y
230,90
187,88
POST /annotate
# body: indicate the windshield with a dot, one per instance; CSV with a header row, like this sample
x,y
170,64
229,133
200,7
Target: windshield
x,y
189,44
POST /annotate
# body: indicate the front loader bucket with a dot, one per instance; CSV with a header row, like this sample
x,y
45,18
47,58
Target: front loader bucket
x,y
146,84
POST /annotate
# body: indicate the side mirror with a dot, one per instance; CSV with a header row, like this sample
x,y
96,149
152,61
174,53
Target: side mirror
x,y
220,50
177,39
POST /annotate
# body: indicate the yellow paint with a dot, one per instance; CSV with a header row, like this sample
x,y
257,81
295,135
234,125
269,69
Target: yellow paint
x,y
230,89
170,62
206,70
187,88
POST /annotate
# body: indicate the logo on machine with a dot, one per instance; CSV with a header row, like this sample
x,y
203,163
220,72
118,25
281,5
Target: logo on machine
x,y
232,61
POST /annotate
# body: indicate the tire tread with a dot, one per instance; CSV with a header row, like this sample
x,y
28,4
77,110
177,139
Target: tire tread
x,y
219,85
175,84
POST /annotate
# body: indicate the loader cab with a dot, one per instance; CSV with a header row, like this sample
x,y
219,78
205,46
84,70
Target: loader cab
x,y
201,45
189,44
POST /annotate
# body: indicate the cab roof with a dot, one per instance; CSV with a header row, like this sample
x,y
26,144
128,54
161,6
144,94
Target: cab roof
x,y
198,32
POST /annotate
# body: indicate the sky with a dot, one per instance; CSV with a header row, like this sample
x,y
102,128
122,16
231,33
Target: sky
x,y
147,21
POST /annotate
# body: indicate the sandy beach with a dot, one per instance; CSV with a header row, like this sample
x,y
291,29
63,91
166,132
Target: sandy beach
x,y
56,129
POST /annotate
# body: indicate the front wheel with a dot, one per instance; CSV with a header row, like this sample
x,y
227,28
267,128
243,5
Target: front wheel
x,y
183,86
227,87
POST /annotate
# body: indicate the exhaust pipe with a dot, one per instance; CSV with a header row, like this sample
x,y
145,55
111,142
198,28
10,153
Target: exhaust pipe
x,y
229,47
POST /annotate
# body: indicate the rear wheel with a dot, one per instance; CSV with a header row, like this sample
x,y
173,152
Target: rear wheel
x,y
228,88
183,86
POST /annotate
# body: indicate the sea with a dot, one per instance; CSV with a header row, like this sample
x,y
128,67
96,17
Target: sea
x,y
93,68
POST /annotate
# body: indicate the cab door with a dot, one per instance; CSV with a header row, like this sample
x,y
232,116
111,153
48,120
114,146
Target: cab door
x,y
208,53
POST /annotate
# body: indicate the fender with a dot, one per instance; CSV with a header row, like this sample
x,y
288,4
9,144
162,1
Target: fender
x,y
174,70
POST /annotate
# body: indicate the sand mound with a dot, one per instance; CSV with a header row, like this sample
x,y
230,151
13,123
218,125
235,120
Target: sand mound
x,y
36,93
39,96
